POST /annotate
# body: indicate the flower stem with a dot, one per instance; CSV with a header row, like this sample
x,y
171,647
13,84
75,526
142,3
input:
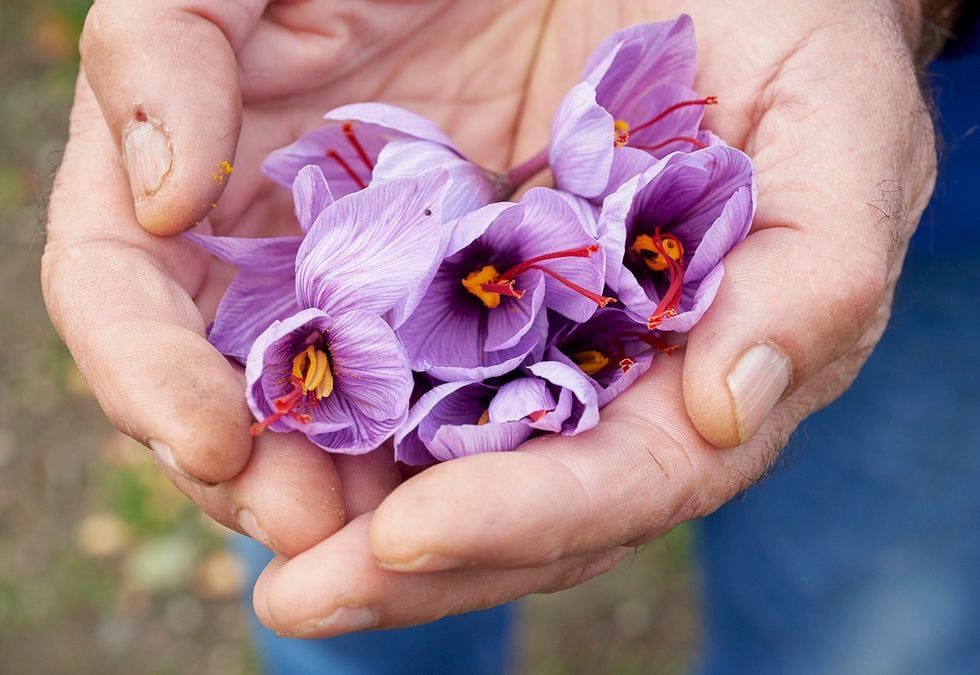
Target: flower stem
x,y
521,174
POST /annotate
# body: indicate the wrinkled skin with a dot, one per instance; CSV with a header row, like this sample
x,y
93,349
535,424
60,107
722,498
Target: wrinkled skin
x,y
843,148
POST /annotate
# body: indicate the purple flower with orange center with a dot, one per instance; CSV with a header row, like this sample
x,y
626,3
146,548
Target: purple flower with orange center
x,y
636,104
610,349
311,317
506,263
669,229
366,143
465,418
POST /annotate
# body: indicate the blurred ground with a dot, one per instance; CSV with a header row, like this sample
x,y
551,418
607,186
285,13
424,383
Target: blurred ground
x,y
104,566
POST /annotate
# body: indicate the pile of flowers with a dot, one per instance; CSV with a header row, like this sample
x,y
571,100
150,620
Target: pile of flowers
x,y
419,304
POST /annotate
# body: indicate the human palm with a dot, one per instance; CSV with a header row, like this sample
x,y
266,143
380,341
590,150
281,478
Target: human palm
x,y
843,173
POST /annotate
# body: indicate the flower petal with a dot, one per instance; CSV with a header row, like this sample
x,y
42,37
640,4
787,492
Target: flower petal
x,y
393,119
509,322
519,398
581,149
472,187
409,448
376,249
251,304
585,408
451,442
271,256
311,195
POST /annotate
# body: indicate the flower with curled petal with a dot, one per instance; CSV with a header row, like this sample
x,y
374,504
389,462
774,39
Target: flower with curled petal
x,y
634,105
465,418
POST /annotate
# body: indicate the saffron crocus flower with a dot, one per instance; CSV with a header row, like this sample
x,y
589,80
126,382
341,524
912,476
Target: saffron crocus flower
x,y
610,349
483,313
667,231
343,381
464,418
374,250
636,104
365,143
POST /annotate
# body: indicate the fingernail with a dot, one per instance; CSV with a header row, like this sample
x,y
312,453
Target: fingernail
x,y
756,383
342,620
148,156
166,455
427,562
248,522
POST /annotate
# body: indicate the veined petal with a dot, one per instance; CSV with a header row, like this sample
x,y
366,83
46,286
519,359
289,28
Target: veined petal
x,y
509,322
251,304
520,398
409,448
585,408
472,187
376,249
271,256
451,442
581,149
311,195
403,122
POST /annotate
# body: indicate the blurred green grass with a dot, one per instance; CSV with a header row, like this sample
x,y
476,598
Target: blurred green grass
x,y
103,564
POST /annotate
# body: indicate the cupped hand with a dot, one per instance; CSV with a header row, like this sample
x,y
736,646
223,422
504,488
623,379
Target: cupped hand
x,y
824,97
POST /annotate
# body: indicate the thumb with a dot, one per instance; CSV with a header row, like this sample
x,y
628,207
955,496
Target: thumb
x,y
166,78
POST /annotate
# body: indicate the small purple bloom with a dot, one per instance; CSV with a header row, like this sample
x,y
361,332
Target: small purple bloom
x,y
610,348
667,231
465,418
343,381
636,104
367,143
482,314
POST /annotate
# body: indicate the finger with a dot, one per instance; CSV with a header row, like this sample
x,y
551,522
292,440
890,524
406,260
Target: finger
x,y
641,471
336,587
120,298
367,479
165,75
288,497
843,181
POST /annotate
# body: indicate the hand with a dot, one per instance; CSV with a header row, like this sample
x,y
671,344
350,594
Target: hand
x,y
842,141
170,91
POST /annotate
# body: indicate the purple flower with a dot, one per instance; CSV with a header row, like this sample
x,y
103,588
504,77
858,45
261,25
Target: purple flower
x,y
464,418
482,314
343,381
635,105
666,231
310,316
368,143
610,349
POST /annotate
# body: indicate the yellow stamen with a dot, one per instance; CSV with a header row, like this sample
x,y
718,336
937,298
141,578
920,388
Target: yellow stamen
x,y
474,284
644,246
484,418
591,361
311,368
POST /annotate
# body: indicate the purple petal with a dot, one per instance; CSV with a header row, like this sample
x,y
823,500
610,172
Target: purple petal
x,y
585,409
518,399
627,163
334,153
465,230
581,149
251,304
376,249
311,195
451,442
409,448
509,322
262,255
403,122
633,60
693,308
472,187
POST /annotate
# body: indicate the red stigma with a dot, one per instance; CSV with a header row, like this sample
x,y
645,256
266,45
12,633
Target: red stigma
x,y
709,100
348,129
676,139
285,406
504,284
537,415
